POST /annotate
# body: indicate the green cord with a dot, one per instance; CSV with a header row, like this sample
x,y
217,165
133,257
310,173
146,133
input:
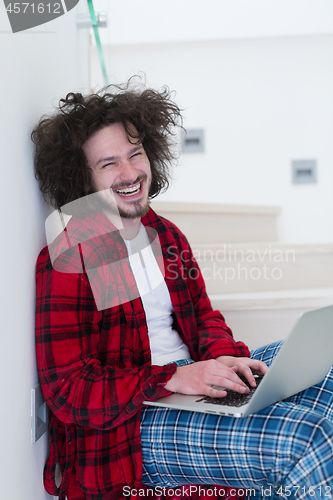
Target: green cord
x,y
98,41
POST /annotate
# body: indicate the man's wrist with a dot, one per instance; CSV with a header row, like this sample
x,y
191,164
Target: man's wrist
x,y
172,382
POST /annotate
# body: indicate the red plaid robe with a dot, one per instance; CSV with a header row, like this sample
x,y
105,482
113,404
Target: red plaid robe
x,y
95,366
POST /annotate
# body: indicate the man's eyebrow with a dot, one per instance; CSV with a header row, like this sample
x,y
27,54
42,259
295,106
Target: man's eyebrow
x,y
135,149
107,158
113,158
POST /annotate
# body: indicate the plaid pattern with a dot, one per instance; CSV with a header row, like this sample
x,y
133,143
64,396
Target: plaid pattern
x,y
287,444
94,365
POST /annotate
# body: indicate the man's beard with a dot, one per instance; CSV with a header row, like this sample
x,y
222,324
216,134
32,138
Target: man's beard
x,y
109,207
136,209
139,211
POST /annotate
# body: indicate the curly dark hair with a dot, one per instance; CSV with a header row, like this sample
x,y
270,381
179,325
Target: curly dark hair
x,y
60,163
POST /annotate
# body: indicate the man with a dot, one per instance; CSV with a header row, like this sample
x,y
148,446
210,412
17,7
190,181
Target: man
x,y
104,347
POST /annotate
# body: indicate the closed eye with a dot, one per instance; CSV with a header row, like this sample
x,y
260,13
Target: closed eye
x,y
137,154
108,165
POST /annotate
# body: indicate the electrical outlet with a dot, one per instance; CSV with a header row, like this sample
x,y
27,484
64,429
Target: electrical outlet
x,y
39,414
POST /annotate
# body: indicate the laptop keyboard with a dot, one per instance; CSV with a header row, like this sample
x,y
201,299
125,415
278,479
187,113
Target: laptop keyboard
x,y
233,398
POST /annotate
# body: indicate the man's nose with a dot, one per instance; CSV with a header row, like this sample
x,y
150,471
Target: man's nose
x,y
128,172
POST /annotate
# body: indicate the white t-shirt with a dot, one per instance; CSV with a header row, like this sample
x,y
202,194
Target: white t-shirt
x,y
165,343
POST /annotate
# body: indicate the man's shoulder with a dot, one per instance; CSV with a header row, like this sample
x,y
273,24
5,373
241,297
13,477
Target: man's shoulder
x,y
92,239
164,227
62,253
68,262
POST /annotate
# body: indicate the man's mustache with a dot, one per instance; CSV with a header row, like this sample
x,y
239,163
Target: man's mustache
x,y
120,185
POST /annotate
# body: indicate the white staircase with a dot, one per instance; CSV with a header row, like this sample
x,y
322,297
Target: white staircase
x,y
219,224
260,286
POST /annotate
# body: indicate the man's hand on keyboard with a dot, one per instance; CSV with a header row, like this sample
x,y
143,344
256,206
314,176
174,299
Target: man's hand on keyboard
x,y
244,366
202,378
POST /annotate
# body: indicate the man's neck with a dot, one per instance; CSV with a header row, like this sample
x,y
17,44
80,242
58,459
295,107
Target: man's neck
x,y
131,228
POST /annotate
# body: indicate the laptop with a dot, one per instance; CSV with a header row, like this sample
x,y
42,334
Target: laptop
x,y
303,360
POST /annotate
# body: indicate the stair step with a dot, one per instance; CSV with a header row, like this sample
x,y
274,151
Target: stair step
x,y
218,223
261,318
255,267
309,298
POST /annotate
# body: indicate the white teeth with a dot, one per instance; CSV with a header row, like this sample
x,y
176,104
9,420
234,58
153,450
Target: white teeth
x,y
129,191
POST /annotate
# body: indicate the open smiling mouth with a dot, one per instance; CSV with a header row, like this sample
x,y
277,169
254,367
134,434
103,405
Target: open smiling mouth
x,y
131,190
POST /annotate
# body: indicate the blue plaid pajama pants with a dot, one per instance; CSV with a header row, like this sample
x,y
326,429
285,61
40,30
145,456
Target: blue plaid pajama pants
x,y
283,451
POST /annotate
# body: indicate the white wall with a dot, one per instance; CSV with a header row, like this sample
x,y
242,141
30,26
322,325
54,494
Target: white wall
x,y
157,21
263,101
37,68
